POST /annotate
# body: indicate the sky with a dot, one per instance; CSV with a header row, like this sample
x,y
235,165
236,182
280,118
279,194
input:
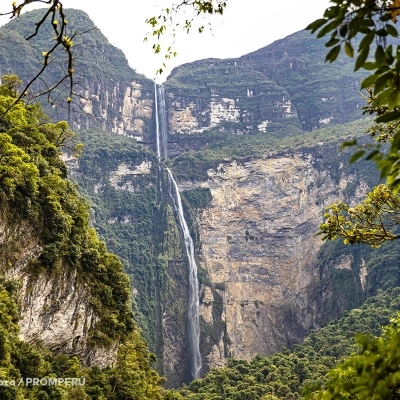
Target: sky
x,y
245,26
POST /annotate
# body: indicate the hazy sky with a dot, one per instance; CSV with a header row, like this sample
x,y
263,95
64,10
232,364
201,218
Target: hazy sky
x,y
246,26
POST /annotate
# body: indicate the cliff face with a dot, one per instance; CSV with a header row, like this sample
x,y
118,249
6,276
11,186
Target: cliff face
x,y
260,250
109,94
226,95
55,307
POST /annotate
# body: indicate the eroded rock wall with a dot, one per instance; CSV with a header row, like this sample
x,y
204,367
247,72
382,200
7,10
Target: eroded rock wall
x,y
55,306
259,248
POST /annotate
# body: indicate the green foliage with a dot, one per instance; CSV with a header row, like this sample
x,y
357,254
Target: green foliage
x,y
33,190
222,147
371,22
286,374
372,373
198,198
372,221
129,221
131,378
169,20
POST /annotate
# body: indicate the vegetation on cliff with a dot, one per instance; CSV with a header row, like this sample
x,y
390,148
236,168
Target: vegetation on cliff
x,y
131,378
35,192
34,189
286,375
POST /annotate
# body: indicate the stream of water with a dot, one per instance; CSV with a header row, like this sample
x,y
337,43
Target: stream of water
x,y
193,305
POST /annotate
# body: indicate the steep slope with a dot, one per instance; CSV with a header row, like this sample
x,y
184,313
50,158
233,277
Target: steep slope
x,y
74,295
320,92
229,95
109,94
282,88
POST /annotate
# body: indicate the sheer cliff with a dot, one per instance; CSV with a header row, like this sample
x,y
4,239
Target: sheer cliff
x,y
109,94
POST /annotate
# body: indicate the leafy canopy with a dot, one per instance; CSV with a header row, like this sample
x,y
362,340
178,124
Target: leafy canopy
x,y
371,24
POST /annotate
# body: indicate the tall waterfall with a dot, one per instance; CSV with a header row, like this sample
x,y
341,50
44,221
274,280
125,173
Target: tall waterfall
x,y
193,307
161,121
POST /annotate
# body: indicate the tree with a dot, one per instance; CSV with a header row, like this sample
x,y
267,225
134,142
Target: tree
x,y
58,21
373,373
372,24
168,17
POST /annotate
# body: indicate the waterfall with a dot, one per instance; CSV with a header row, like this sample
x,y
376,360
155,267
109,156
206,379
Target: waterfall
x,y
161,121
157,121
193,307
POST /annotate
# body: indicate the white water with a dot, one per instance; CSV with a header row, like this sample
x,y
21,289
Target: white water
x,y
193,306
161,121
157,121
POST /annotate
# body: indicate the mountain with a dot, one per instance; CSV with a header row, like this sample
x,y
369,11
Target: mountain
x,y
109,94
65,301
254,144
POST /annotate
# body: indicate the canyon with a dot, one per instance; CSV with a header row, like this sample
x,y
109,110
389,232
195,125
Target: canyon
x,y
253,198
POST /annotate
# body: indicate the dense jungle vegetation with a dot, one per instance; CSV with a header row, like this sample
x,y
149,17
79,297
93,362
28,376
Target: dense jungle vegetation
x,y
35,194
291,373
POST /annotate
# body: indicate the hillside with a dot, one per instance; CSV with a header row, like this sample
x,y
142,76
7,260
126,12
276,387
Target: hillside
x,y
109,95
65,300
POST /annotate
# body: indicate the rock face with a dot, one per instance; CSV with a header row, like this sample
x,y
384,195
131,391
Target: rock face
x,y
119,107
55,307
109,94
231,96
260,250
322,93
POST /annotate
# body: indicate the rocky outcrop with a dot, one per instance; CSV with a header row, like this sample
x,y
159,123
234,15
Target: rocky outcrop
x,y
54,306
108,94
260,250
118,107
231,97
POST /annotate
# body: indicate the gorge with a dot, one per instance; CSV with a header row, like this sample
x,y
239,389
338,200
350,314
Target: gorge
x,y
211,188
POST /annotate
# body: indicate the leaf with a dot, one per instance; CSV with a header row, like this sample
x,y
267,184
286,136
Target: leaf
x,y
383,81
348,49
362,57
380,56
348,143
392,31
369,66
371,155
369,81
385,169
316,24
358,154
330,27
332,42
366,41
388,117
333,54
394,99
